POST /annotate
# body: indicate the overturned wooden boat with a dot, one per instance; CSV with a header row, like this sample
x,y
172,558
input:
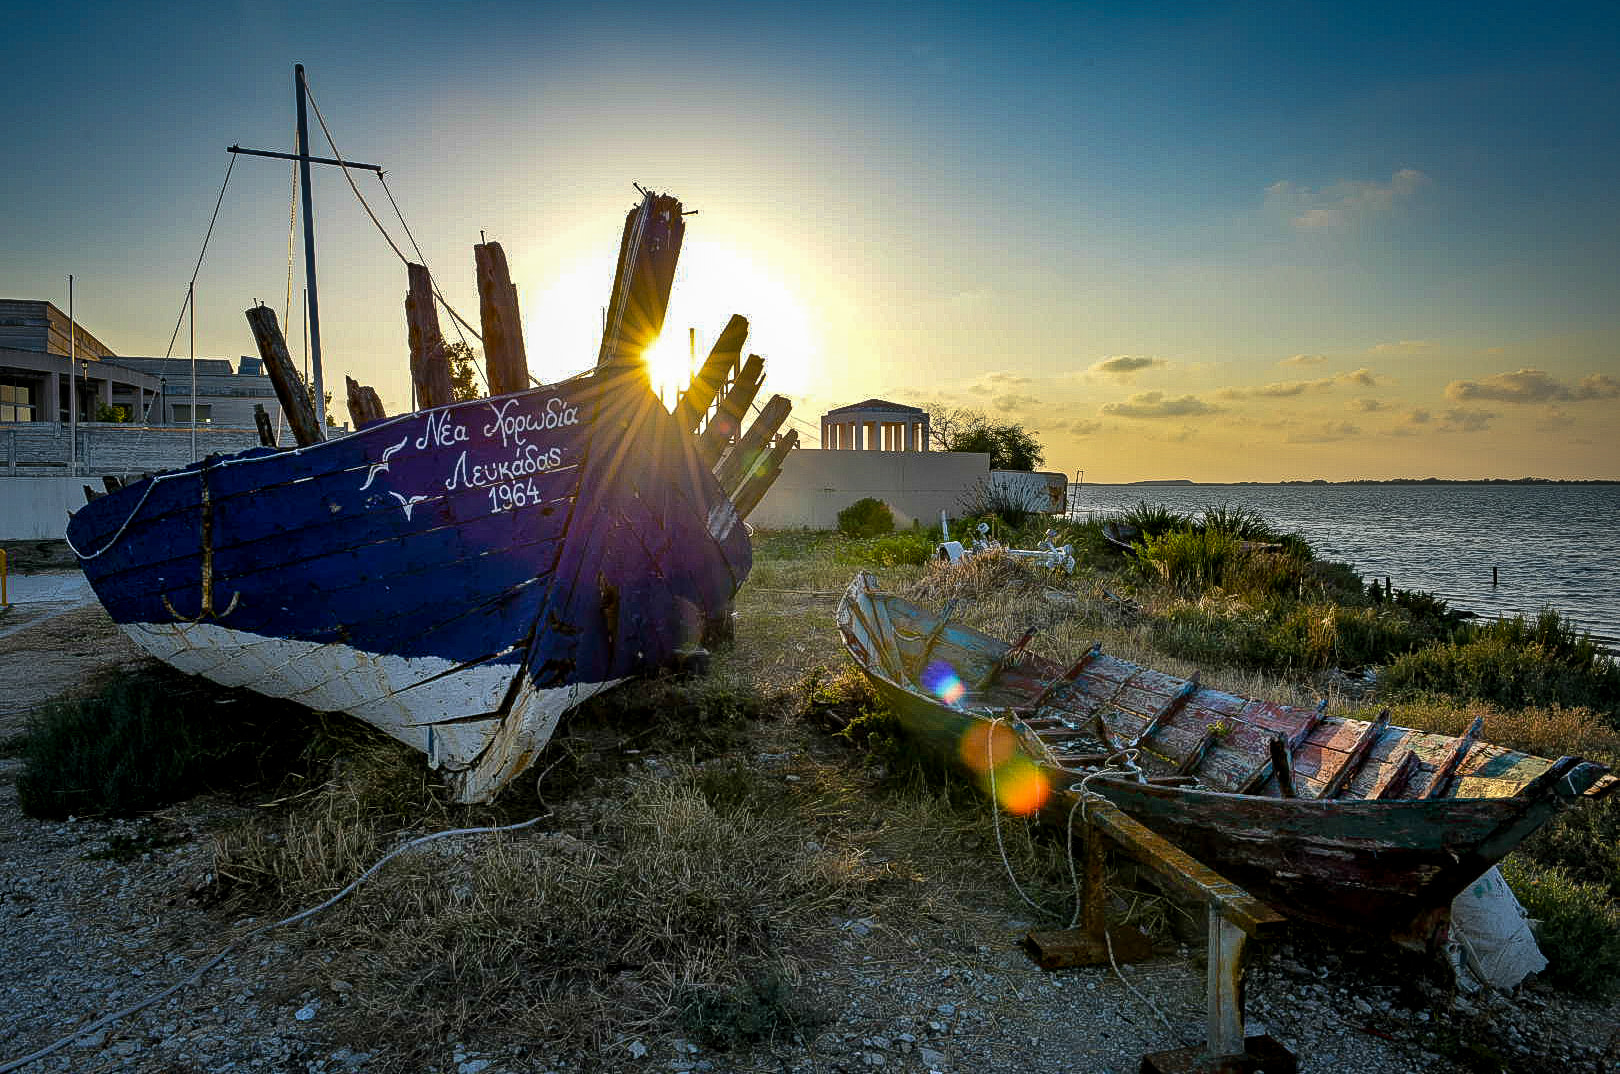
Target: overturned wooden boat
x,y
460,575
1337,821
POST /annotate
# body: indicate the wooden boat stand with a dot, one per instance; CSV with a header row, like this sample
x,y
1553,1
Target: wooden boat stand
x,y
1234,916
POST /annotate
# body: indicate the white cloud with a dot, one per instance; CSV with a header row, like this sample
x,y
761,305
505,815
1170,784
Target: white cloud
x,y
1533,386
1158,405
1123,365
1304,359
1344,203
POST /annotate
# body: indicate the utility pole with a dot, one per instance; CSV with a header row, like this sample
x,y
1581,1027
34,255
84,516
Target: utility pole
x,y
304,160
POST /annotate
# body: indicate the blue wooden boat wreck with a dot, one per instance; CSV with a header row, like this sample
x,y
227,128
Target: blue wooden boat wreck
x,y
461,575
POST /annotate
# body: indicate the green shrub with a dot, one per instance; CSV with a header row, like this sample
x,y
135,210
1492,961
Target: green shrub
x,y
1285,636
1579,928
866,518
1244,523
1514,662
150,739
1186,559
1153,519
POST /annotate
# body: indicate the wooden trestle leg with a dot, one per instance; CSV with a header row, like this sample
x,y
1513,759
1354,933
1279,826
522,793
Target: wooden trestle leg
x,y
1234,916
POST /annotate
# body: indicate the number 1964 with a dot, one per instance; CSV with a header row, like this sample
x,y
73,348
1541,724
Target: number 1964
x,y
512,494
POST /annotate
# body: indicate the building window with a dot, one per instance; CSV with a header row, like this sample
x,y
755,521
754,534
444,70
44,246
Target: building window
x,y
182,413
16,403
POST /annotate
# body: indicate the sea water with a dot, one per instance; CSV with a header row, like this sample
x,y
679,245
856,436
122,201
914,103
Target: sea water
x,y
1554,546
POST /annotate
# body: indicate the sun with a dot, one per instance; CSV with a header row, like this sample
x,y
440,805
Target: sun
x,y
712,282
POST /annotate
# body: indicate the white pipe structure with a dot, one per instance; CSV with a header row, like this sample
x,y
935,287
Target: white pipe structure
x,y
73,387
191,300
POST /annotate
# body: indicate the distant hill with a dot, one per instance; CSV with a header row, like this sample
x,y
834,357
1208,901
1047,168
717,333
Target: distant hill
x,y
1169,481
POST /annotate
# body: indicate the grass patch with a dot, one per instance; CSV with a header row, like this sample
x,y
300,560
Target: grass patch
x,y
150,739
1578,930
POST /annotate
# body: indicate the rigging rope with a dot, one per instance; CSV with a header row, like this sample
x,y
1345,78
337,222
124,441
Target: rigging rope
x,y
292,228
454,321
366,205
200,255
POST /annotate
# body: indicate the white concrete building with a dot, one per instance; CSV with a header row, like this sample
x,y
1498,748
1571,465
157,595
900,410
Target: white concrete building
x,y
875,425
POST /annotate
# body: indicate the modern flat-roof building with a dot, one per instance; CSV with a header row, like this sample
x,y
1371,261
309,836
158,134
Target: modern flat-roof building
x,y
37,383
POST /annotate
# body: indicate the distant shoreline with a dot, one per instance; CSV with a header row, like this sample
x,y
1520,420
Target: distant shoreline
x,y
1184,483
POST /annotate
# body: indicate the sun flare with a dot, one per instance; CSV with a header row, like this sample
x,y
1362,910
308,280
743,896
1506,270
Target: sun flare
x,y
712,282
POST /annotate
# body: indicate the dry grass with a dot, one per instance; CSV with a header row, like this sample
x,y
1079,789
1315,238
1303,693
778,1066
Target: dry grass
x,y
706,843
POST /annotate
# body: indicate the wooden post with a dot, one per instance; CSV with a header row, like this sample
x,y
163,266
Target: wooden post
x,y
504,356
284,375
735,466
1224,985
261,419
364,405
430,365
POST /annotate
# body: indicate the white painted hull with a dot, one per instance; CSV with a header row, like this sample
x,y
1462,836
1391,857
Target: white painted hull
x,y
478,724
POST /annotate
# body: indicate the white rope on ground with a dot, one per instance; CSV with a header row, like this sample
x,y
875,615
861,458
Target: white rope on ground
x,y
1083,795
302,915
995,818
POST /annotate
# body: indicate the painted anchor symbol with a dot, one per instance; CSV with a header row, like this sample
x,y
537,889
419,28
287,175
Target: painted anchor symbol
x,y
206,607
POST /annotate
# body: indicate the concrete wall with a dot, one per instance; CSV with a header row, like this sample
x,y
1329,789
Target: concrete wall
x,y
36,508
1041,490
41,447
815,485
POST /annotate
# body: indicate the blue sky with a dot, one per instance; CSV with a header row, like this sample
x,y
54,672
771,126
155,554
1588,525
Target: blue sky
x,y
1327,240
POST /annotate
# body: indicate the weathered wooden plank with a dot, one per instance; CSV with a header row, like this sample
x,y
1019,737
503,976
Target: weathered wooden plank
x,y
1182,871
711,378
284,376
1282,766
1357,757
735,466
1442,775
1166,711
728,417
1392,783
430,365
506,361
760,482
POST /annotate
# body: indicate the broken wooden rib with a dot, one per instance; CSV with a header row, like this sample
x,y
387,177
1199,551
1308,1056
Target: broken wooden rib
x,y
459,575
1339,828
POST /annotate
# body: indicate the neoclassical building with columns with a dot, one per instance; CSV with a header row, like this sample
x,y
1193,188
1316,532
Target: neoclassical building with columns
x,y
875,425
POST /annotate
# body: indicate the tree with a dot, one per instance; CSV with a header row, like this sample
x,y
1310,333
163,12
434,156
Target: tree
x,y
463,371
1009,445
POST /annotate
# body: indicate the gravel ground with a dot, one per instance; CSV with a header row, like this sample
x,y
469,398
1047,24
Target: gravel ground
x,y
95,915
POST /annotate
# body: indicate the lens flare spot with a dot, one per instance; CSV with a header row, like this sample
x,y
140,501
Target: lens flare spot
x,y
985,746
1021,788
941,680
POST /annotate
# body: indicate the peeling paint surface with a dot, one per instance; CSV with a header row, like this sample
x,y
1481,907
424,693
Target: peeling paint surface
x,y
1337,851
